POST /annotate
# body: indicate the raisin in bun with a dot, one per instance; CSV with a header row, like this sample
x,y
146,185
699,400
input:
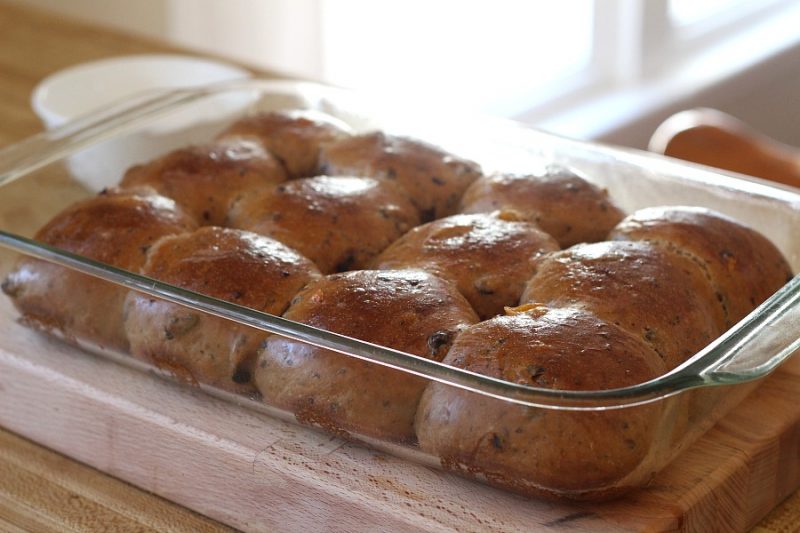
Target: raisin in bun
x,y
205,179
489,256
433,178
534,450
744,267
236,266
339,222
294,137
408,310
564,204
115,227
663,298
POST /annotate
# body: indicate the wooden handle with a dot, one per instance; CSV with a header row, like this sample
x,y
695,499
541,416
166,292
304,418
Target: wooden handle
x,y
719,140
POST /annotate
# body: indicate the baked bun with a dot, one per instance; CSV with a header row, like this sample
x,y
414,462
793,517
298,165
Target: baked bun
x,y
537,451
533,450
294,137
115,227
561,202
339,222
236,266
433,178
744,267
489,256
408,310
205,179
663,298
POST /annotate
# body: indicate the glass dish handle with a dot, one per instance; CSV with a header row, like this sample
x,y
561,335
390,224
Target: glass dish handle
x,y
756,346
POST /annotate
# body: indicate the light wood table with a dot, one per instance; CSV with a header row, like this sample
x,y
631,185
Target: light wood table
x,y
41,490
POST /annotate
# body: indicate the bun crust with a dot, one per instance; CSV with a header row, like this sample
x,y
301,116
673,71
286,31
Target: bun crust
x,y
434,179
293,137
204,180
340,222
489,257
117,228
408,310
537,451
745,267
236,266
561,202
662,298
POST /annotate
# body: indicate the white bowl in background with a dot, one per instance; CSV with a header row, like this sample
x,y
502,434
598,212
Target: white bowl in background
x,y
87,87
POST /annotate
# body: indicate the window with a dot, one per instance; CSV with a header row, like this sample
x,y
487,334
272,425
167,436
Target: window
x,y
574,66
489,56
693,24
687,12
536,60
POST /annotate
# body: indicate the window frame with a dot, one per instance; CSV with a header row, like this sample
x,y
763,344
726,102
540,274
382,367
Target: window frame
x,y
674,41
640,64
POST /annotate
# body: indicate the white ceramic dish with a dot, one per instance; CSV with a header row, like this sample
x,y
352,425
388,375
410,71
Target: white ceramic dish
x,y
81,89
88,88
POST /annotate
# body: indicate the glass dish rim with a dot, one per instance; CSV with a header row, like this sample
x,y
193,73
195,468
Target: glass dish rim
x,y
709,367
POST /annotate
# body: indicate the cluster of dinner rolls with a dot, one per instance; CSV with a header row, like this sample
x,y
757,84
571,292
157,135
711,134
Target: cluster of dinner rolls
x,y
117,228
535,279
241,267
596,316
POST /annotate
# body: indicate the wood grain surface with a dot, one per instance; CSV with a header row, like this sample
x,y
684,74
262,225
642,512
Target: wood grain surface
x,y
45,491
258,473
293,472
41,490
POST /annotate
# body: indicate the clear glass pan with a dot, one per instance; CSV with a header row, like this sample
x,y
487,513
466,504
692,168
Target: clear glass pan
x,y
145,127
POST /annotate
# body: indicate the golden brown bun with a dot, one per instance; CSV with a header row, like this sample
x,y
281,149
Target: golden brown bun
x,y
294,137
744,266
536,451
561,202
114,227
433,178
489,256
340,222
232,265
408,310
658,296
205,179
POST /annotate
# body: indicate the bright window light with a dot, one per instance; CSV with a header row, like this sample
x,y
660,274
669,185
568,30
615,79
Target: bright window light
x,y
686,12
483,56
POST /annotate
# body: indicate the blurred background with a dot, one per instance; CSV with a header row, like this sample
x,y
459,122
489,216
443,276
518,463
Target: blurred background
x,y
610,70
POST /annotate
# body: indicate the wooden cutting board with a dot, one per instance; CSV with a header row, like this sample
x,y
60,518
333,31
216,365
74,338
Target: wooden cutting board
x,y
256,473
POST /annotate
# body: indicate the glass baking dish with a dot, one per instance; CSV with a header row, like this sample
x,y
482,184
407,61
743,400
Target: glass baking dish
x,y
44,174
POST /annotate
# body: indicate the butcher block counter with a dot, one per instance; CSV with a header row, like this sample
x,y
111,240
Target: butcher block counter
x,y
738,476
